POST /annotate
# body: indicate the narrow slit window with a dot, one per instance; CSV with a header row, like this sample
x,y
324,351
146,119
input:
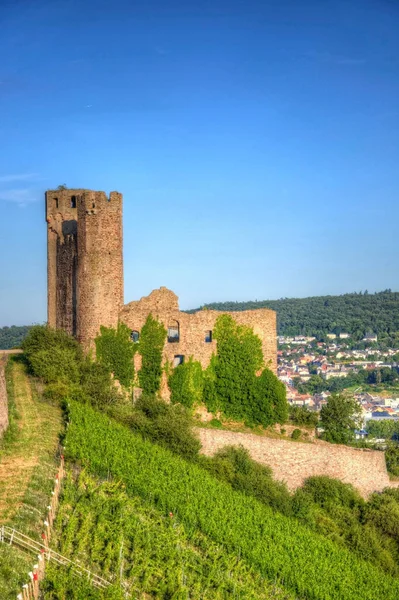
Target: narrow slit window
x,y
135,336
56,202
73,202
178,360
174,332
208,336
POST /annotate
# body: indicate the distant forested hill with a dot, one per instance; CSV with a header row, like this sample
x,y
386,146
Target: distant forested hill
x,y
357,313
11,337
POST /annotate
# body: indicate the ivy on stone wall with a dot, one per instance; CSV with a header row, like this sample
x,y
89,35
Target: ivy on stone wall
x,y
186,383
150,346
232,384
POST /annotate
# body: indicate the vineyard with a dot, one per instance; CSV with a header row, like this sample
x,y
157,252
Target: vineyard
x,y
143,551
170,523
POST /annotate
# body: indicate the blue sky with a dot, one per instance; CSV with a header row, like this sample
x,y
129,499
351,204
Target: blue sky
x,y
256,142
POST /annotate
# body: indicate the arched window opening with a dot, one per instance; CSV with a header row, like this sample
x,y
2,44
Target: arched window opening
x,y
173,332
135,336
178,360
73,202
208,336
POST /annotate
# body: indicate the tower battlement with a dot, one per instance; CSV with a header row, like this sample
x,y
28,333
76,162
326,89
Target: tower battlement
x,y
84,260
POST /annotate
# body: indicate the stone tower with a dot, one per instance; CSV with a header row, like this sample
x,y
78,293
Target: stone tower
x,y
84,261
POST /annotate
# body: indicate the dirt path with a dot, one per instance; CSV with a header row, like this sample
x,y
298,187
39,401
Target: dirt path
x,y
34,441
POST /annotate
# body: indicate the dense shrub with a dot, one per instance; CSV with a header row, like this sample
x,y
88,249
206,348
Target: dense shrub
x,y
296,434
41,337
167,425
234,465
96,385
186,383
152,340
57,364
115,350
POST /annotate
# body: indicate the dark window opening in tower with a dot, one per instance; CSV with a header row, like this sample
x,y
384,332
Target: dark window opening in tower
x,y
178,360
93,205
73,202
56,202
208,337
173,332
135,336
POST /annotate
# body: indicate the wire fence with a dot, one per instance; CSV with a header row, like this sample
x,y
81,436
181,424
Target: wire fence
x,y
42,550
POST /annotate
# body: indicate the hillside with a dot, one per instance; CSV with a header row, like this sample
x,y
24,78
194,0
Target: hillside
x,y
161,501
356,313
11,337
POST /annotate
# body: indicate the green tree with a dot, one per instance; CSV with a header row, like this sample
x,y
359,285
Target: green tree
x,y
115,350
339,418
186,383
271,400
152,340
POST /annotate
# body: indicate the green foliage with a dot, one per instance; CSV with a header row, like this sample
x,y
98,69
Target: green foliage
x,y
234,465
301,415
96,385
392,458
383,428
186,383
115,350
167,425
357,314
55,365
296,434
152,340
271,400
239,357
41,337
270,543
12,337
339,418
231,383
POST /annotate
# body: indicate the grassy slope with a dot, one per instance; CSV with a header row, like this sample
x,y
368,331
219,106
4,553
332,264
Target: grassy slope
x,y
27,467
277,547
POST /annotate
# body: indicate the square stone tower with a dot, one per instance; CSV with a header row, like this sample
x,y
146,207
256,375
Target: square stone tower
x,y
84,261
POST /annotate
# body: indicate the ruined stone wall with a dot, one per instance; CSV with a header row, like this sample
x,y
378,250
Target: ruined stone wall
x,y
100,263
293,462
193,328
3,397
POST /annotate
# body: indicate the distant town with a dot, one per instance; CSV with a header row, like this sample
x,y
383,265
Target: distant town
x,y
312,370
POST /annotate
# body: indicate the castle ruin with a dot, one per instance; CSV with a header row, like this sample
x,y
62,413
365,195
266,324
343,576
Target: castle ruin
x,y
85,283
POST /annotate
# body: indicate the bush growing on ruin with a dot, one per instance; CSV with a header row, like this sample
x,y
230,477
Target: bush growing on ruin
x,y
115,350
186,383
96,385
152,340
339,418
296,434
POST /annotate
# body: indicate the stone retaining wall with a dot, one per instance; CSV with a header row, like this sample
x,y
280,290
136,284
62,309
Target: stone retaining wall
x,y
3,397
293,462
